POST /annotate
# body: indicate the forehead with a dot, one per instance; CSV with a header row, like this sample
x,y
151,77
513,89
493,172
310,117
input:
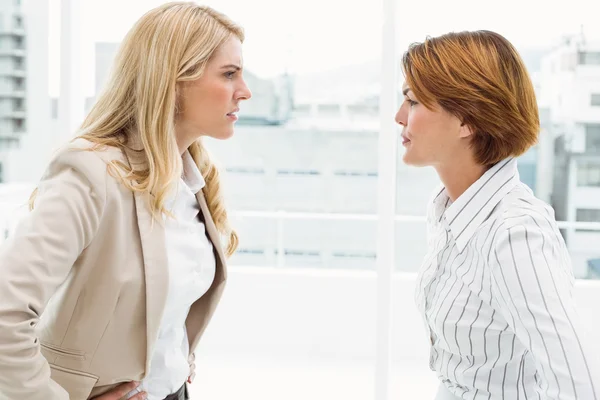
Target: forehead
x,y
229,52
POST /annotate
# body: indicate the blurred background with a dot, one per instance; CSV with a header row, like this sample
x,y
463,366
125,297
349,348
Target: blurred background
x,y
319,303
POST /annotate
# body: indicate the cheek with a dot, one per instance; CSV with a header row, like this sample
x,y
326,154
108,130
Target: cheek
x,y
427,125
192,102
220,93
205,99
417,123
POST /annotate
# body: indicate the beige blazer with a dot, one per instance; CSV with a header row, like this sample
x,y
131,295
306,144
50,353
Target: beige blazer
x,y
83,284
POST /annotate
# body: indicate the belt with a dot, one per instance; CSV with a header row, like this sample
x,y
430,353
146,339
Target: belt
x,y
181,394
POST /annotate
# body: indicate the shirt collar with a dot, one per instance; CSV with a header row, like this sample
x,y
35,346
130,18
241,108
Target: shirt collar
x,y
191,174
472,208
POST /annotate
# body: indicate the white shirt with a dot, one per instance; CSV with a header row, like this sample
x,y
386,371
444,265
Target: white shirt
x,y
495,291
191,273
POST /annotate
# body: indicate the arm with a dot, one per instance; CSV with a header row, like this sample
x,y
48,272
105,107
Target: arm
x,y
37,259
531,277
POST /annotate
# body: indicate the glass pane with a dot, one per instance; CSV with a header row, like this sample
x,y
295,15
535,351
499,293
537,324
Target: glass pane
x,y
278,241
592,137
300,148
297,320
307,141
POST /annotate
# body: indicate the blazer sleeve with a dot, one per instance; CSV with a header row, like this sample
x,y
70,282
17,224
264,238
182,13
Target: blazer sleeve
x,y
37,258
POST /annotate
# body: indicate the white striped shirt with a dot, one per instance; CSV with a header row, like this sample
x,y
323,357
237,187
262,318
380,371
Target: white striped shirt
x,y
495,290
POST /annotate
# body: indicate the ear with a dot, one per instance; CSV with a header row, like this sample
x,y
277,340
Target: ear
x,y
465,131
179,92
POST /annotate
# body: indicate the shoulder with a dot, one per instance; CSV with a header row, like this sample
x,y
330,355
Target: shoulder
x,y
526,219
521,208
82,158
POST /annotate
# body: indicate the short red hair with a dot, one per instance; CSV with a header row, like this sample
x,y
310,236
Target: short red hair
x,y
480,78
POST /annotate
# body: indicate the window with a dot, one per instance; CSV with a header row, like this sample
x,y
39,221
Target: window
x,y
19,105
588,173
246,171
302,109
19,43
19,84
372,174
592,138
18,22
588,215
354,255
241,251
306,189
328,109
589,58
363,110
19,125
297,172
302,258
19,63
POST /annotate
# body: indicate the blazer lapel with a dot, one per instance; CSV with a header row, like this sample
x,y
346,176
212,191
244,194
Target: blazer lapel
x,y
154,253
152,236
202,310
214,236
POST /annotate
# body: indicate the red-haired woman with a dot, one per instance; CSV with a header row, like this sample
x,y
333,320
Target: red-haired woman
x,y
495,288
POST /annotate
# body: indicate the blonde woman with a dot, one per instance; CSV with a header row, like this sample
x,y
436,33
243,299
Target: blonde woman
x,y
110,281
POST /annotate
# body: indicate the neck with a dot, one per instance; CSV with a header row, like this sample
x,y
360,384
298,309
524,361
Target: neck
x,y
184,136
458,176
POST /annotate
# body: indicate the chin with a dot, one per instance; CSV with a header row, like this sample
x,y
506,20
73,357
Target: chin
x,y
227,135
407,159
224,135
413,161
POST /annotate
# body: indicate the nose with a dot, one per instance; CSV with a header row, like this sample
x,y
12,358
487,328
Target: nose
x,y
402,115
243,92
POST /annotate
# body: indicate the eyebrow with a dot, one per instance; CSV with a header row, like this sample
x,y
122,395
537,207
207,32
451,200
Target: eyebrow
x,y
405,91
236,67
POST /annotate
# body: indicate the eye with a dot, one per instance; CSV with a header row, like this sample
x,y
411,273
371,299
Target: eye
x,y
230,74
412,103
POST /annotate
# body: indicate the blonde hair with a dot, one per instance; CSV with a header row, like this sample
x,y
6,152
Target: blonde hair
x,y
169,44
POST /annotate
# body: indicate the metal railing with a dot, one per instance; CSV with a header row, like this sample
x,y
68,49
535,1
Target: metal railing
x,y
8,219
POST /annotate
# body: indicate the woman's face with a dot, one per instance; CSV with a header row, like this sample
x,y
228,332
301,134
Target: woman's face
x,y
208,106
430,137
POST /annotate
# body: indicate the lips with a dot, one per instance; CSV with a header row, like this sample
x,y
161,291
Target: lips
x,y
233,113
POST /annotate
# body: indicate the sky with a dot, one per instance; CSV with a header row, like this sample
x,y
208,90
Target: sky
x,y
315,35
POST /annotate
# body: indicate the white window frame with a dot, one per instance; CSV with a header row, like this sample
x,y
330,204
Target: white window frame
x,y
386,199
